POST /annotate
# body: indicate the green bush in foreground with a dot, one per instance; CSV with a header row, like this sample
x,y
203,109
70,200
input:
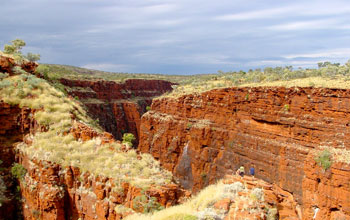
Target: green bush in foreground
x,y
324,159
18,171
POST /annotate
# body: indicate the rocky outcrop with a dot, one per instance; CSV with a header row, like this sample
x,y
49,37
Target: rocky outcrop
x,y
202,137
7,64
117,106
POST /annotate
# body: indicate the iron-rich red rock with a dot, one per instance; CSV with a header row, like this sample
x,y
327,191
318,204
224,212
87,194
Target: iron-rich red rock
x,y
203,137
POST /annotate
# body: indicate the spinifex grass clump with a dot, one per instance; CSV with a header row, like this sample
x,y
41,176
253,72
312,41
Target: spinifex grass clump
x,y
57,114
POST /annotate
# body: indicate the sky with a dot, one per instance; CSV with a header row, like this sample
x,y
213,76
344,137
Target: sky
x,y
179,36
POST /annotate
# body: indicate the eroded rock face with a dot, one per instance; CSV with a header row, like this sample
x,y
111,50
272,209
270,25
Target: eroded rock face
x,y
117,106
271,129
326,193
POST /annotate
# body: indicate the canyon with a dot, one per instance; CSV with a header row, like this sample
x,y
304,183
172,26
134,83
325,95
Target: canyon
x,y
203,137
200,138
51,191
42,189
117,106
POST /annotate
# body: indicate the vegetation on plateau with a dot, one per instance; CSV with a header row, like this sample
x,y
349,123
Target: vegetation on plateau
x,y
331,75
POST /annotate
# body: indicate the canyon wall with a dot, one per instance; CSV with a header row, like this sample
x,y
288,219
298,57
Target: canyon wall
x,y
14,124
50,191
202,137
117,106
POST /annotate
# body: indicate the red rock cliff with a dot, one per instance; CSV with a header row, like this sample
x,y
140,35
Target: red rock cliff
x,y
117,106
200,138
14,123
50,191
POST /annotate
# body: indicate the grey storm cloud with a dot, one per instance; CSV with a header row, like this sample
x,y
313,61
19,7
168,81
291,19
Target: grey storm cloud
x,y
179,36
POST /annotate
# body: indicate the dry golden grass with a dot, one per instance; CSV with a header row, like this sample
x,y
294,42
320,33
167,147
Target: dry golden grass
x,y
55,111
203,200
339,82
201,206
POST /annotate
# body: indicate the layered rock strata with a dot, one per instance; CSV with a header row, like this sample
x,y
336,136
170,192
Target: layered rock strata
x,y
201,138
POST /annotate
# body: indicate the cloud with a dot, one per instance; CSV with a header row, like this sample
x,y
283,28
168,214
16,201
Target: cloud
x,y
341,53
306,25
109,67
179,36
257,14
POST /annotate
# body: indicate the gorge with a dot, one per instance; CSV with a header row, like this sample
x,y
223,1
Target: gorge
x,y
200,138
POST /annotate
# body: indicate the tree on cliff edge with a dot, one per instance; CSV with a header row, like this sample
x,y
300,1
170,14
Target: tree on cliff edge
x,y
15,50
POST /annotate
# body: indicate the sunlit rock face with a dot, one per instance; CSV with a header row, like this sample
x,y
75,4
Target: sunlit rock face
x,y
201,138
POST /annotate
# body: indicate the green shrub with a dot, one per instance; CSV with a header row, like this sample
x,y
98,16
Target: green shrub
x,y
18,171
323,159
149,204
34,82
43,70
128,138
32,57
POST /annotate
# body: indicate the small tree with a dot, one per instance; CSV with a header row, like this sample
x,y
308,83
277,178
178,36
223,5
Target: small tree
x,y
33,57
128,138
15,48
